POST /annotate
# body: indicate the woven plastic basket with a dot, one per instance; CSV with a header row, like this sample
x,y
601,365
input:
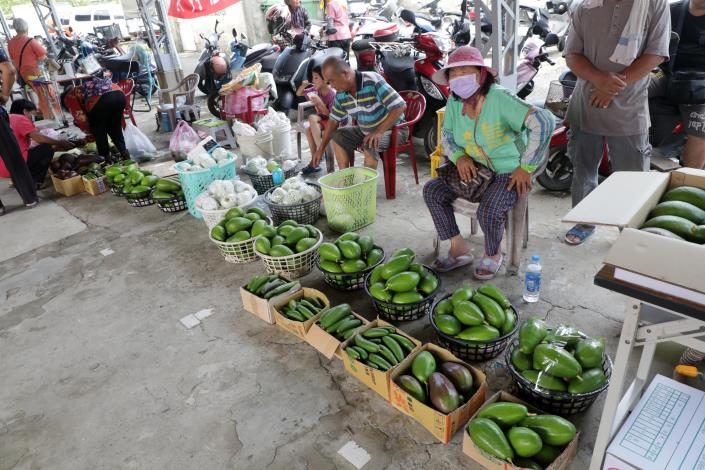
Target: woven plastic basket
x,y
213,218
348,281
560,403
472,351
238,252
304,213
558,97
403,312
263,183
293,266
143,199
116,190
194,183
350,197
175,204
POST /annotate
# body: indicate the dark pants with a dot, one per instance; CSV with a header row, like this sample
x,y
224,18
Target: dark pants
x,y
38,160
344,44
105,120
15,164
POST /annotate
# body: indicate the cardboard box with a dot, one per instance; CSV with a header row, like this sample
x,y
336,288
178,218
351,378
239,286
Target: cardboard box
x,y
493,463
294,327
666,430
262,308
624,200
69,186
441,425
325,343
95,186
376,379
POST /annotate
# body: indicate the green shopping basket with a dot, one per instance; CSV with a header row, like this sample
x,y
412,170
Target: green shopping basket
x,y
350,198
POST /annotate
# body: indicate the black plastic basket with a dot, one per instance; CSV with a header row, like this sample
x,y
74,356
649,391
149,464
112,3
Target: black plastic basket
x,y
472,351
116,190
347,281
403,312
560,403
304,213
176,204
263,183
142,199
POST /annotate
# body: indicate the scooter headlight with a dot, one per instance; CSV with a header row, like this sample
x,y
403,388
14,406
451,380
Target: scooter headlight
x,y
443,44
431,89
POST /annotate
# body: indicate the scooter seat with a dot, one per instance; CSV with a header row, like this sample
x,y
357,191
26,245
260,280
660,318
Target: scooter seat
x,y
361,45
395,64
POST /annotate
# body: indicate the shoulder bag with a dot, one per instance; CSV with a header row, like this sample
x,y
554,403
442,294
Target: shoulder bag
x,y
684,86
20,79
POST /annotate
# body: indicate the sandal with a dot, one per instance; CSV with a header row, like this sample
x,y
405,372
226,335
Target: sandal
x,y
449,263
490,266
308,170
580,232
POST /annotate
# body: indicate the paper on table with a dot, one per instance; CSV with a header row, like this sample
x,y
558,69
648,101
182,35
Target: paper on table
x,y
659,286
651,434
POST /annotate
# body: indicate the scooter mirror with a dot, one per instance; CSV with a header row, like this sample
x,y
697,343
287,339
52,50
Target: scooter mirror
x,y
408,16
552,39
561,8
234,33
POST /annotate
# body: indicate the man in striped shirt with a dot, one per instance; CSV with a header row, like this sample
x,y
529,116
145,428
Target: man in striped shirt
x,y
371,102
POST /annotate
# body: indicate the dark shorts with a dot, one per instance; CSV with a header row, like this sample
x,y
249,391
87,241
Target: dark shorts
x,y
666,115
351,137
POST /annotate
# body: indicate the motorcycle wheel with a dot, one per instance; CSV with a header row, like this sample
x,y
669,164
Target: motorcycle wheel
x,y
203,86
561,44
214,102
427,131
558,175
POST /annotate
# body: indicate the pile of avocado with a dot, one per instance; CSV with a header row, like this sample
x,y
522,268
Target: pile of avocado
x,y
445,387
680,215
351,253
508,431
339,322
270,286
129,179
167,189
238,225
303,309
402,281
470,315
379,347
561,360
289,238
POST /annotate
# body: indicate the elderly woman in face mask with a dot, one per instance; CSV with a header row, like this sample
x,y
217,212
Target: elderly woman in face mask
x,y
484,125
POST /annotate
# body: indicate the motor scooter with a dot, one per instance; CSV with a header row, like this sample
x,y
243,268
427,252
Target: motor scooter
x,y
213,66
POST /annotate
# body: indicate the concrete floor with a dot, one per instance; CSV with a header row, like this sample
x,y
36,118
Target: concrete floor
x,y
97,372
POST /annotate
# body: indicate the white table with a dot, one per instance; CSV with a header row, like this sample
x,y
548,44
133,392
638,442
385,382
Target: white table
x,y
656,313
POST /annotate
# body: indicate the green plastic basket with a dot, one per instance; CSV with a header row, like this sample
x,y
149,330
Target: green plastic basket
x,y
350,198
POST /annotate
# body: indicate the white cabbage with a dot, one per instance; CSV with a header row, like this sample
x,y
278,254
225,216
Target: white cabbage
x,y
228,201
209,204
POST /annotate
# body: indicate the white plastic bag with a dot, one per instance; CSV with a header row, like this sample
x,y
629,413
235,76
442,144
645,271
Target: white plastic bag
x,y
139,146
183,140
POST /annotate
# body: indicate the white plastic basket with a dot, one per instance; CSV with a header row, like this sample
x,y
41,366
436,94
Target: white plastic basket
x,y
293,266
237,252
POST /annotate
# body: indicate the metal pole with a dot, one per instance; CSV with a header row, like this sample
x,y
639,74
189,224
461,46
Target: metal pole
x,y
5,33
44,19
167,61
502,44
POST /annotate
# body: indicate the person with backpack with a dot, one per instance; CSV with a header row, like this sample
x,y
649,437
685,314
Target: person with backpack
x,y
688,60
27,54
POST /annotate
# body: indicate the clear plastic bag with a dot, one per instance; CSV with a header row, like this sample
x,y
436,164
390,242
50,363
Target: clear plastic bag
x,y
139,146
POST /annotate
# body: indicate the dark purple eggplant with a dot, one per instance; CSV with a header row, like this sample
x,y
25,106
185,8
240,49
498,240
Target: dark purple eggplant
x,y
443,393
87,159
67,158
55,165
459,375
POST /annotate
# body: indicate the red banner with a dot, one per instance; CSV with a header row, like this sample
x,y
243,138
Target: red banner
x,y
195,8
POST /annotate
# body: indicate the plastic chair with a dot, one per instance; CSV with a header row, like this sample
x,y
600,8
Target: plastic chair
x,y
415,108
145,82
300,128
182,99
127,85
516,235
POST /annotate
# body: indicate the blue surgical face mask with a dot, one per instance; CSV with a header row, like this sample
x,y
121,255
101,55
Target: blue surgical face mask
x,y
464,86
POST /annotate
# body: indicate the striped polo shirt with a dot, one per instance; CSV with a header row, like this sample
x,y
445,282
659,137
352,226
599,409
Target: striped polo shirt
x,y
373,101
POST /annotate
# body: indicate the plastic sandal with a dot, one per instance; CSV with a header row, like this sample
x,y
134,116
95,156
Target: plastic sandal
x,y
449,263
489,265
310,169
579,232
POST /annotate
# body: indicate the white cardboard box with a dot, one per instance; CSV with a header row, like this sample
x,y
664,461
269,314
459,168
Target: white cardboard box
x,y
665,431
624,200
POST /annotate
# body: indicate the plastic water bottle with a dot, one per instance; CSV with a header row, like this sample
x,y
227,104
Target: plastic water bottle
x,y
277,176
532,280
